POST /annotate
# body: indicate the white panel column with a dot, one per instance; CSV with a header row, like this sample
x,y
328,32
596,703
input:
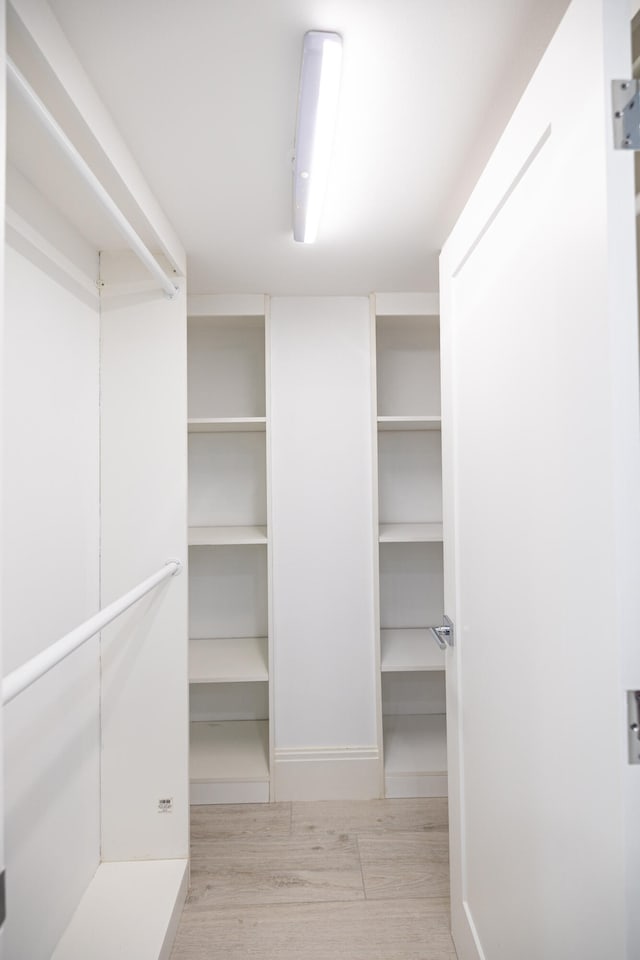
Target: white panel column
x,y
50,548
323,548
144,497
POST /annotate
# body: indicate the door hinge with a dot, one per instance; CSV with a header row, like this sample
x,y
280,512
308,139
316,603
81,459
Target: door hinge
x,y
3,901
625,100
633,724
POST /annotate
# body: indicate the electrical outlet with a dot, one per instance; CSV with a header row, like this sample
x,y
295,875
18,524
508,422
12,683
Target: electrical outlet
x,y
165,805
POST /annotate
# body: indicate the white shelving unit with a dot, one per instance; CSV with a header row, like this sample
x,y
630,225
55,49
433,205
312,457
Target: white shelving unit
x,y
229,648
410,570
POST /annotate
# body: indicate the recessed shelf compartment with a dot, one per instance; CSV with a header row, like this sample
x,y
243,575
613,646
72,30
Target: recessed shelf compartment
x,y
410,476
228,591
408,366
415,755
227,479
229,761
226,536
226,367
410,533
409,423
409,649
411,584
227,424
228,660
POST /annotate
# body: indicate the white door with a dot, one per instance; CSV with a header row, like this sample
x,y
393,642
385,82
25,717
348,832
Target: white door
x,y
542,467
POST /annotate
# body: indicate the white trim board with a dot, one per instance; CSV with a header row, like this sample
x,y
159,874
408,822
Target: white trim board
x,y
407,304
130,909
226,305
326,773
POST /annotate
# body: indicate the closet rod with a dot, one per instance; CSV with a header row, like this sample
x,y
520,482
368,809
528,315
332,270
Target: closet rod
x,y
21,678
82,167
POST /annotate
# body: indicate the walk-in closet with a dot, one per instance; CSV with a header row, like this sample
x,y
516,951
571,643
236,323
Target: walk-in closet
x,y
320,450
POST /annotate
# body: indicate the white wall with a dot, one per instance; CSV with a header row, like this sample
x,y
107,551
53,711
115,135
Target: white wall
x,y
50,584
144,523
322,548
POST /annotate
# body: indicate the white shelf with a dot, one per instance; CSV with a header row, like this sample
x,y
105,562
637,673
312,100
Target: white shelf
x,y
228,660
227,424
410,532
229,750
409,423
408,650
130,909
225,536
415,744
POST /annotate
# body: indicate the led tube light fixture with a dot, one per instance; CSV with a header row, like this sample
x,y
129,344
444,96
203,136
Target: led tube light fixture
x,y
317,110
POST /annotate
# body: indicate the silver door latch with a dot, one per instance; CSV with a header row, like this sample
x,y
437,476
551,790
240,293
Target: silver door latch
x,y
633,713
443,635
625,100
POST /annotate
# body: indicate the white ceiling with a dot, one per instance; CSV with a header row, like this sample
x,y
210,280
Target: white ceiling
x,y
204,92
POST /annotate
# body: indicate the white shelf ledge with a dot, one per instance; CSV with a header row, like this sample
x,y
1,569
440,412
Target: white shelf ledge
x,y
410,533
408,650
226,536
130,909
409,423
229,750
227,424
229,660
415,747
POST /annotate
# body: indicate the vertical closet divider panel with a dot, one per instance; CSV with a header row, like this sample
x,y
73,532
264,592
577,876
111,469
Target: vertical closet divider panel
x,y
229,655
326,736
410,567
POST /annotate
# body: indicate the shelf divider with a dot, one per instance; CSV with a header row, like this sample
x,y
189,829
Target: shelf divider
x,y
212,536
410,533
409,423
227,424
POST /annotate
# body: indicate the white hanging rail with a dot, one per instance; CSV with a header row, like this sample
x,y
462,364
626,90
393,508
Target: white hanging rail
x,y
18,680
82,167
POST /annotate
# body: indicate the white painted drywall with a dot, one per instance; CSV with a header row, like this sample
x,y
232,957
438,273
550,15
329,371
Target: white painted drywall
x,y
50,584
322,534
144,523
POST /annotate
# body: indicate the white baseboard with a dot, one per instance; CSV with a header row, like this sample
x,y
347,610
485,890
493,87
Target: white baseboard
x,y
327,773
397,786
221,791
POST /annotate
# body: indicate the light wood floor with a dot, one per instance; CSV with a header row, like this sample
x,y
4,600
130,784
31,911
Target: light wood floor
x,y
330,880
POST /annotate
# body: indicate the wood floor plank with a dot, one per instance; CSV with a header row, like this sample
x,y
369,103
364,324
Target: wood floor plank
x,y
405,865
276,870
228,821
370,816
367,930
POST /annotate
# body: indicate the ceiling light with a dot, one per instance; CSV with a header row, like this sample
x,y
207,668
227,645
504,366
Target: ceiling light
x,y
317,109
